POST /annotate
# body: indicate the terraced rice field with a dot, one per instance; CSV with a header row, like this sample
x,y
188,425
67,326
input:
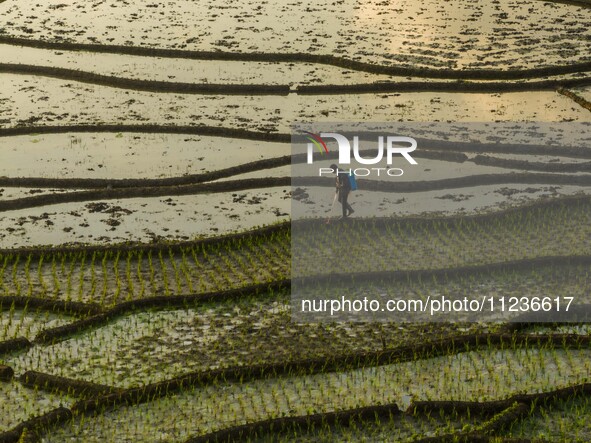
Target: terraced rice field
x,y
146,232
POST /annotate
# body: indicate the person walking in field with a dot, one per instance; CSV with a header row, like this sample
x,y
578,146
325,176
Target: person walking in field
x,y
343,189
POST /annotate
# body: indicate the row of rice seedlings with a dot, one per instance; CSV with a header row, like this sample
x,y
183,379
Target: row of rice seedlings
x,y
6,259
129,275
152,271
210,272
13,324
72,275
233,261
178,277
70,264
565,420
115,267
436,243
164,273
185,269
104,286
139,275
277,254
20,403
56,280
44,288
113,276
192,272
401,428
259,329
479,375
544,282
89,279
254,262
71,269
16,281
198,270
16,322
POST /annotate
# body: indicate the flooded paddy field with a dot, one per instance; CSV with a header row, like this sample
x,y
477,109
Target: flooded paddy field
x,y
504,34
45,101
146,194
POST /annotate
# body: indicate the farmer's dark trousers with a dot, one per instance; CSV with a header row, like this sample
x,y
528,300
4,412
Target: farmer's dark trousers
x,y
343,196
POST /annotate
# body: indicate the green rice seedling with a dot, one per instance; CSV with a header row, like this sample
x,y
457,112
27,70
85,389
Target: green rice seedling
x,y
128,275
93,283
15,279
231,269
152,272
140,274
5,261
28,275
248,273
105,279
117,277
10,320
204,250
63,263
81,276
42,283
255,264
199,270
274,259
164,273
28,332
21,324
56,280
185,269
220,277
177,275
71,269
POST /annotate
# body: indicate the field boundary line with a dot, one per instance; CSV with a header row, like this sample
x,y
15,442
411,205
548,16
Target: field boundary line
x,y
97,316
29,430
456,87
264,232
258,165
63,332
270,230
299,57
169,87
64,385
542,203
451,183
155,86
276,162
499,421
525,165
451,345
459,344
512,410
143,192
305,423
277,137
38,201
506,411
47,304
